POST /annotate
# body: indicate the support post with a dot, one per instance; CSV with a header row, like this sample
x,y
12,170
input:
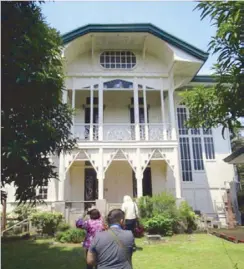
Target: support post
x,y
100,109
100,176
136,109
163,111
177,174
139,175
172,107
91,111
61,177
145,109
73,107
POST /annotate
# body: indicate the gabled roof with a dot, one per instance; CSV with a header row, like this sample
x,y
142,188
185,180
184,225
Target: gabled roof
x,y
136,28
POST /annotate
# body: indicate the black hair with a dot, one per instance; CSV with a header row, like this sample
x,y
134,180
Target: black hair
x,y
94,214
115,216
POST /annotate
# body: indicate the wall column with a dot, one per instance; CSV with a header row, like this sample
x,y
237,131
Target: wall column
x,y
145,109
100,176
139,175
100,109
163,112
73,107
172,107
136,109
177,174
91,111
61,173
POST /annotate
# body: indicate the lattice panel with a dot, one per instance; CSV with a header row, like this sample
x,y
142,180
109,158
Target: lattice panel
x,y
145,157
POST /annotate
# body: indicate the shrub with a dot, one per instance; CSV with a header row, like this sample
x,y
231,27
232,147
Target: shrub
x,y
72,235
159,225
63,226
163,203
47,221
23,212
188,217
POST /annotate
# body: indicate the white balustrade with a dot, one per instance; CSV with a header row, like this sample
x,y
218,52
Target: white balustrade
x,y
124,132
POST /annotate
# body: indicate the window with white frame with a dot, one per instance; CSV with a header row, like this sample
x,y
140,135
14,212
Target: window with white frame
x,y
42,194
196,140
118,59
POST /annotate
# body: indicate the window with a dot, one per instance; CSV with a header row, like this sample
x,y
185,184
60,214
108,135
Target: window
x,y
185,159
197,153
196,139
118,59
43,192
182,116
209,148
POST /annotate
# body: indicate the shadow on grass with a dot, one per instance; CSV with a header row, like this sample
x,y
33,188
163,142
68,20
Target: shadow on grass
x,y
41,254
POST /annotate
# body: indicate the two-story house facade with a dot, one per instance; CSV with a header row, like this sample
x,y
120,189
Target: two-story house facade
x,y
123,81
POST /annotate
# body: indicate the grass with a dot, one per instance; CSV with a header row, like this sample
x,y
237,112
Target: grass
x,y
179,252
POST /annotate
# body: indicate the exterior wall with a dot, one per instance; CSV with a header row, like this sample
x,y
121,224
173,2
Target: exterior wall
x,y
118,182
83,63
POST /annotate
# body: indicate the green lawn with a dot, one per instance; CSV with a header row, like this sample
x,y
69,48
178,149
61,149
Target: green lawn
x,y
180,252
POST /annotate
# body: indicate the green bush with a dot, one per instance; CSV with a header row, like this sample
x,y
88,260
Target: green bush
x,y
160,214
159,225
163,203
24,211
72,235
47,221
188,217
63,226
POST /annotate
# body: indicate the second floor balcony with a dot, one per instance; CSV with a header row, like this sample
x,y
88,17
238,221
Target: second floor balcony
x,y
123,132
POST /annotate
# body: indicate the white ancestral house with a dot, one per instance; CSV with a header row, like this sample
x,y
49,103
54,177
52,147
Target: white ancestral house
x,y
123,80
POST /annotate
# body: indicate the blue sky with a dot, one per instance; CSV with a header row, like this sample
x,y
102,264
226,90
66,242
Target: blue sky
x,y
177,18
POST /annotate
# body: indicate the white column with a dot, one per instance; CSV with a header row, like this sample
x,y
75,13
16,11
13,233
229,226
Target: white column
x,y
73,107
136,109
91,111
172,108
100,176
177,174
163,112
139,175
100,108
145,109
61,173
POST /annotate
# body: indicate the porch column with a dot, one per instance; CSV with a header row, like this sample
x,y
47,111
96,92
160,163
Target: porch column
x,y
139,178
100,109
100,176
145,109
91,111
61,177
139,175
172,108
73,107
163,111
136,109
177,173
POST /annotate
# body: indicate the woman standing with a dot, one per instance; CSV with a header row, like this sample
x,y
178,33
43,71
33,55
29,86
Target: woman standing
x,y
131,213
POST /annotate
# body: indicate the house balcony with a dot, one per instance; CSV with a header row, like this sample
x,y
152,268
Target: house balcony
x,y
123,132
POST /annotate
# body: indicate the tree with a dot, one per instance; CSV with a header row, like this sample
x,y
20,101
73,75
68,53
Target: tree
x,y
35,122
222,103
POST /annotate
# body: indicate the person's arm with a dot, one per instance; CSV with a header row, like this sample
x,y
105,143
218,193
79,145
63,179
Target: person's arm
x,y
91,258
136,210
91,254
123,207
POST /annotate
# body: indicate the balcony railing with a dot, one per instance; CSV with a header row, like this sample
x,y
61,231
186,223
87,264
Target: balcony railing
x,y
123,132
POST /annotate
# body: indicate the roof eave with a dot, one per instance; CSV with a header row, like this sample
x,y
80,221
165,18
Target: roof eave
x,y
137,28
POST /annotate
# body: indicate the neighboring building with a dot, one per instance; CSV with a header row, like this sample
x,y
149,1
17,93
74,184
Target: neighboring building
x,y
124,82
